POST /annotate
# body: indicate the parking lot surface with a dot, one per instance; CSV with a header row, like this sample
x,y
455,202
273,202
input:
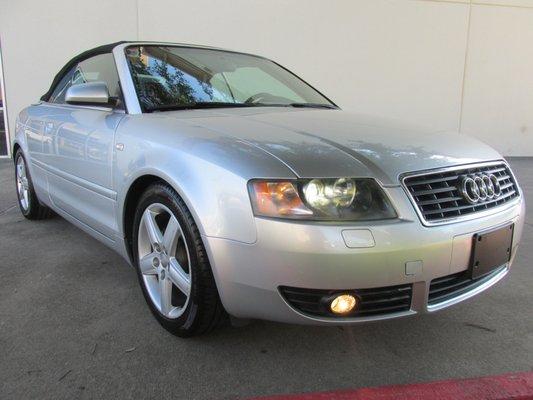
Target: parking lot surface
x,y
74,324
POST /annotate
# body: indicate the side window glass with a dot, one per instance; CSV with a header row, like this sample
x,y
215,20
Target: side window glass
x,y
58,95
77,77
100,68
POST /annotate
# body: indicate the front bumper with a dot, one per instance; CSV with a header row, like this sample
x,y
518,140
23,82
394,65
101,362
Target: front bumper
x,y
315,256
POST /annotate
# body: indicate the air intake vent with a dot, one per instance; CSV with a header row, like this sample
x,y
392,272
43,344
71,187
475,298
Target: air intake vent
x,y
438,195
376,301
451,286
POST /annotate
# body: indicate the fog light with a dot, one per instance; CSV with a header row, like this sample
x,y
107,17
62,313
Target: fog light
x,y
343,304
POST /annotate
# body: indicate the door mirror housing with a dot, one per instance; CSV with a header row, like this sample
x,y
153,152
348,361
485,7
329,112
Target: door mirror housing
x,y
90,93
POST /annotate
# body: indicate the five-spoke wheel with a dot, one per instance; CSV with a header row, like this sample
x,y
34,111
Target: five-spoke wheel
x,y
29,204
22,183
164,260
172,265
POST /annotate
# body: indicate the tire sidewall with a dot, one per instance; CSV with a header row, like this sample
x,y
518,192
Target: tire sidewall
x,y
164,195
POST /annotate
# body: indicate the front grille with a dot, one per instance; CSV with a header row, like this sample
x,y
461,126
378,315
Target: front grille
x,y
437,195
376,301
451,286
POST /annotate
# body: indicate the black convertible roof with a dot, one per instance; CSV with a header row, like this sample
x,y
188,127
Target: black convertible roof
x,y
106,48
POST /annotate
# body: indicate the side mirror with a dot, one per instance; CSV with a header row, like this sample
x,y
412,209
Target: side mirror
x,y
88,93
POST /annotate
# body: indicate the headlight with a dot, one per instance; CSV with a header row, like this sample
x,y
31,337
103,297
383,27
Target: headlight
x,y
321,199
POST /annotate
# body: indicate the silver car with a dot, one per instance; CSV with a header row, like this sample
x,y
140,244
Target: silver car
x,y
237,189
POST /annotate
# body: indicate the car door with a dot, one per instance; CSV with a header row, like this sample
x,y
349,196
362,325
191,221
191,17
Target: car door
x,y
78,148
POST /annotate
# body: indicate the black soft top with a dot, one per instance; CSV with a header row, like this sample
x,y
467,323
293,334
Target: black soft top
x,y
106,48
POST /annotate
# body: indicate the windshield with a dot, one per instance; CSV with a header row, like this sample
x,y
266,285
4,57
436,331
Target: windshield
x,y
172,77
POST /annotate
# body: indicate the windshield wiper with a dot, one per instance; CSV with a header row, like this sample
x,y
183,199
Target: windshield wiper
x,y
217,104
197,106
313,105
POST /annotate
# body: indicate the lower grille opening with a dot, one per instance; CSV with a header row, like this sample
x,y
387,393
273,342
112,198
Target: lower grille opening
x,y
451,286
375,301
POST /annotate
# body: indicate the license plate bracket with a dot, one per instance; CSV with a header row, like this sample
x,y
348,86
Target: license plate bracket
x,y
491,249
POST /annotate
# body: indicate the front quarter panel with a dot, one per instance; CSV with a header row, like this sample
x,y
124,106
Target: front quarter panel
x,y
209,170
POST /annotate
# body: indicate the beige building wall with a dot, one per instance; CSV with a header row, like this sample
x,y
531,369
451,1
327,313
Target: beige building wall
x,y
450,65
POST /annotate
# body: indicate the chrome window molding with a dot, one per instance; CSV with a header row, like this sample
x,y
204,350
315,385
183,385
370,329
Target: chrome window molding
x,y
468,217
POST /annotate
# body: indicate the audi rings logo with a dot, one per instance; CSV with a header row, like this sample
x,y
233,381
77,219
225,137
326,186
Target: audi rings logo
x,y
479,188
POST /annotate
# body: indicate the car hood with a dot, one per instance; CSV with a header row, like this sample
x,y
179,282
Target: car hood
x,y
317,143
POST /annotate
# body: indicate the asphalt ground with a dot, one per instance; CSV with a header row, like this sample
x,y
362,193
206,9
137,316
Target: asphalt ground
x,y
74,324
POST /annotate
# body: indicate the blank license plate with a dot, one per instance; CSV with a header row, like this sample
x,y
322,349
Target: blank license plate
x,y
491,249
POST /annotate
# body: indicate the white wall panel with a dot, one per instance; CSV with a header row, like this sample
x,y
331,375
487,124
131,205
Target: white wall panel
x,y
39,37
512,3
498,97
402,59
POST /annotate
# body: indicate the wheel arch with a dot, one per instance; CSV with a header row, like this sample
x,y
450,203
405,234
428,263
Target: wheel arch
x,y
16,147
135,189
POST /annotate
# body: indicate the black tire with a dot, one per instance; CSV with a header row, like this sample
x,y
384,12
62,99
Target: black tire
x,y
35,209
204,310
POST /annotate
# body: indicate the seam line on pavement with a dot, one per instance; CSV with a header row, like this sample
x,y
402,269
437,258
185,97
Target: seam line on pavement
x,y
6,210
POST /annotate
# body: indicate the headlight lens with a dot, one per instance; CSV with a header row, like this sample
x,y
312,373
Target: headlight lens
x,y
320,194
321,199
277,199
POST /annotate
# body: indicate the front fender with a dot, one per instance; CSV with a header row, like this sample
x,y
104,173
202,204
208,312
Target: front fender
x,y
208,170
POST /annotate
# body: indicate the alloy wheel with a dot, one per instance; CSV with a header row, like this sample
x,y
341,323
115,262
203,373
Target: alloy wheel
x,y
164,260
22,184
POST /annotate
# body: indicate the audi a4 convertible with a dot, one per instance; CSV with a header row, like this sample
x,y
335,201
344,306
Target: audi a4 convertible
x,y
237,190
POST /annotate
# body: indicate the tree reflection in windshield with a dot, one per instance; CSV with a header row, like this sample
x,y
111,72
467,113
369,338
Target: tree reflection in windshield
x,y
166,76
